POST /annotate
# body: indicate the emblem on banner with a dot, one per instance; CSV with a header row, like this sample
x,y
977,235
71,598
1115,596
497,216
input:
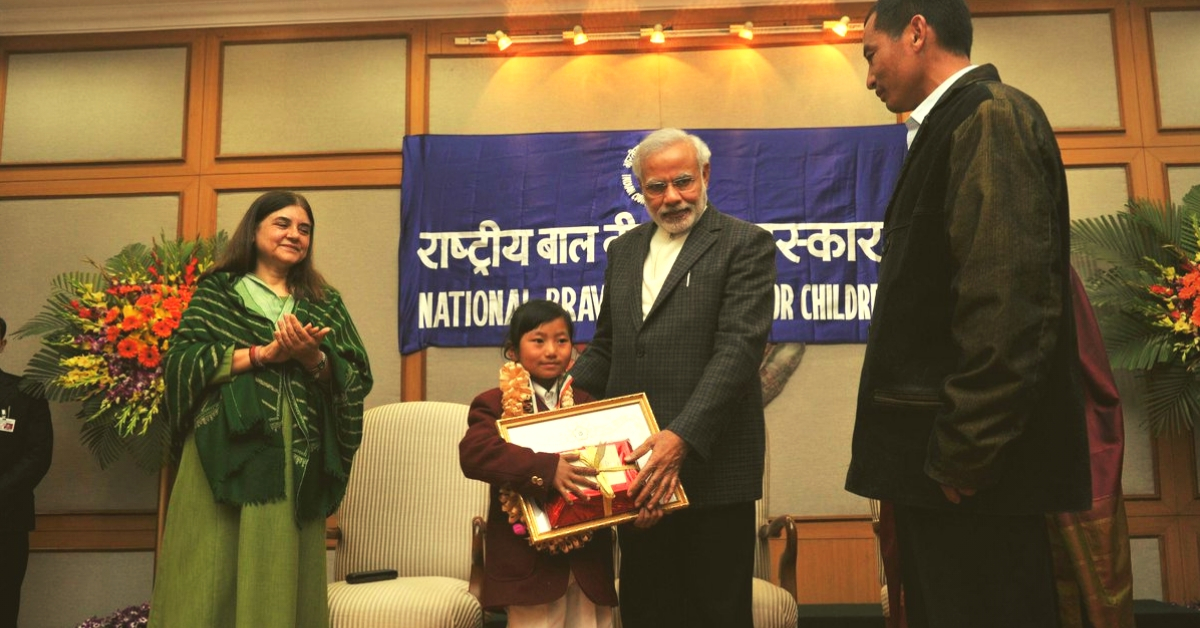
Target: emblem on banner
x,y
627,179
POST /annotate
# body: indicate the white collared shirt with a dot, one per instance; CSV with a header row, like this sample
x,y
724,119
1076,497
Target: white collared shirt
x,y
918,115
547,395
664,250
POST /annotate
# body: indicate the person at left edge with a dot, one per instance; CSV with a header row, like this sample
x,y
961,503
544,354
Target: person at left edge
x,y
265,381
26,445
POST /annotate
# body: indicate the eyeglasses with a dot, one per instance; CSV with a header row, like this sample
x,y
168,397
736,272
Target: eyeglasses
x,y
683,184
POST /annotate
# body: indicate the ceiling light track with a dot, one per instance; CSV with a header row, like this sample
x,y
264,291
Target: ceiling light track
x,y
658,33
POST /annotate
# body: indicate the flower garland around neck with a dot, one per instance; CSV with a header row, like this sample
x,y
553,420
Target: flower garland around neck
x,y
517,400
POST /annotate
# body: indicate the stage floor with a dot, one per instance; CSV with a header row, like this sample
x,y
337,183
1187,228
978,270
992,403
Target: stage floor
x,y
1148,613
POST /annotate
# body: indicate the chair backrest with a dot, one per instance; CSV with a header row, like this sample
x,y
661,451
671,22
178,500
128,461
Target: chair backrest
x,y
408,506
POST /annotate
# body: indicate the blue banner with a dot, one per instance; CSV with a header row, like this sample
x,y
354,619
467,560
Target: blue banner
x,y
488,222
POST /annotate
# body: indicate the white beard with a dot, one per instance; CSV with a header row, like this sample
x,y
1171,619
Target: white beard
x,y
681,226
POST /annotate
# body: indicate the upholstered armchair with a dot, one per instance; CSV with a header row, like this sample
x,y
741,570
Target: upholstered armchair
x,y
774,605
877,524
409,508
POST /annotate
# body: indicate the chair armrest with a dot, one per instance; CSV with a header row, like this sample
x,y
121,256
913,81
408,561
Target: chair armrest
x,y
787,560
478,531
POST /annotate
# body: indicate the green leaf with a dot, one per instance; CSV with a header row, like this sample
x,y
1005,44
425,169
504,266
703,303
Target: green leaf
x,y
98,435
1172,399
150,450
45,368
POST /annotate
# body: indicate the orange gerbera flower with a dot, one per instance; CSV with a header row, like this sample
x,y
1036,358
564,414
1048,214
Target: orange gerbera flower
x,y
1191,285
128,348
132,320
173,305
163,328
149,356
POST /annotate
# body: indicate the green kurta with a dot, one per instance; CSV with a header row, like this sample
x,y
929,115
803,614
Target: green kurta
x,y
233,566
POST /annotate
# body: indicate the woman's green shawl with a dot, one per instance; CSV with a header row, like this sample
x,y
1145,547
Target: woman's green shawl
x,y
238,424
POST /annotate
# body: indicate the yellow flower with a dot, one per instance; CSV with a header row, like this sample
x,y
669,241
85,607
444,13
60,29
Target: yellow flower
x,y
83,370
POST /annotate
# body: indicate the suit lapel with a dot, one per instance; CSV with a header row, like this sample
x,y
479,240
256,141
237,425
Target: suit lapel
x,y
702,237
631,275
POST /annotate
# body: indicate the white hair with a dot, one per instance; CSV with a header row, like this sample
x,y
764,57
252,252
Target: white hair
x,y
662,139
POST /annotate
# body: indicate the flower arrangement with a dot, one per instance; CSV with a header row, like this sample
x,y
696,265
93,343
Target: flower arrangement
x,y
103,338
1142,271
131,617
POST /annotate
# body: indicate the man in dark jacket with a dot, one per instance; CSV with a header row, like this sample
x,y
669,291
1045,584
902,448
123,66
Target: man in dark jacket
x,y
970,413
686,313
26,443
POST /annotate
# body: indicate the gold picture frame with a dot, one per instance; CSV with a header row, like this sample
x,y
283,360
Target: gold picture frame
x,y
612,420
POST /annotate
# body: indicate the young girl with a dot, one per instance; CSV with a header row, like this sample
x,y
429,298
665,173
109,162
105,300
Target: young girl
x,y
540,588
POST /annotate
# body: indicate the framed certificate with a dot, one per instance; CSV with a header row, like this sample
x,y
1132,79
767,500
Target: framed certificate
x,y
602,431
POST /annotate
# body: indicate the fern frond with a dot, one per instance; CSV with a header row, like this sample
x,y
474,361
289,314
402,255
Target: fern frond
x,y
1172,399
99,436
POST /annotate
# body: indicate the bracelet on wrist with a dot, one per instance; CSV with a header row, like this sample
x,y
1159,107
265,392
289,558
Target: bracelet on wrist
x,y
316,370
255,360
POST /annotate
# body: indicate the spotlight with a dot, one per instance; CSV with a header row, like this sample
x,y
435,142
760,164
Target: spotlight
x,y
577,36
745,31
839,26
502,41
657,37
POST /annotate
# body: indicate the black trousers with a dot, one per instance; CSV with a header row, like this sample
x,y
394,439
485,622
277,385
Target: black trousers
x,y
969,570
14,558
694,569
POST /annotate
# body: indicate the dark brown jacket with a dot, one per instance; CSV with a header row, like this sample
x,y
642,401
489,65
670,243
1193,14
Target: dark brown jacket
x,y
971,376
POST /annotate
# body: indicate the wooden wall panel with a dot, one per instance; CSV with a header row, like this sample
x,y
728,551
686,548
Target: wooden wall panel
x,y
340,96
134,107
101,531
837,562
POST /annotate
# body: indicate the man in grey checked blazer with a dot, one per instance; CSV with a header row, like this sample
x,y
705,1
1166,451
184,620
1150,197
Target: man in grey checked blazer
x,y
688,302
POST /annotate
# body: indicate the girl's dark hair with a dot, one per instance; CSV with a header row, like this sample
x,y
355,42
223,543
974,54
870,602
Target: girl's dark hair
x,y
241,255
529,316
950,18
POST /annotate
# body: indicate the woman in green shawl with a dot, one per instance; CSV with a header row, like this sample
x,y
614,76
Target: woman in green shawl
x,y
265,380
